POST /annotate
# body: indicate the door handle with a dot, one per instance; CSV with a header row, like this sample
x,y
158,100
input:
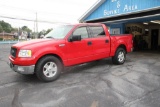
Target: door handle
x,y
89,43
107,41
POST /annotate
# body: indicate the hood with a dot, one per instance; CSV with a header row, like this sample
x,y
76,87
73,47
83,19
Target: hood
x,y
33,42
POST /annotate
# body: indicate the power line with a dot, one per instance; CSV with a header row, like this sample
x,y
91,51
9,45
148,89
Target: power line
x,y
24,19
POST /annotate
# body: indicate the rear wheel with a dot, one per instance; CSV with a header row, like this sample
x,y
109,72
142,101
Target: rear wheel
x,y
119,57
48,68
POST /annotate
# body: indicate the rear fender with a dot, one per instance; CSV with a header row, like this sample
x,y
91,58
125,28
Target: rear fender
x,y
119,44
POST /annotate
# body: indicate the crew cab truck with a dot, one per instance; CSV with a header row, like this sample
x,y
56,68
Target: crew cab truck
x,y
68,45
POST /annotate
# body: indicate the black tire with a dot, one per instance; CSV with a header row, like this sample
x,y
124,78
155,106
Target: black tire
x,y
48,68
116,59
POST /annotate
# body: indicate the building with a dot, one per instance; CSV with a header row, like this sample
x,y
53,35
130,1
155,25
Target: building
x,y
138,17
6,36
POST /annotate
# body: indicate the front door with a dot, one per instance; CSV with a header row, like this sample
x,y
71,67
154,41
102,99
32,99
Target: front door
x,y
79,51
154,39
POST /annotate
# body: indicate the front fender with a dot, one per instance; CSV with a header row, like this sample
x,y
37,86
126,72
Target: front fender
x,y
46,51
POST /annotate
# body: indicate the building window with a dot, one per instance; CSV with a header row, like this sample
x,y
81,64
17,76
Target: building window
x,y
116,31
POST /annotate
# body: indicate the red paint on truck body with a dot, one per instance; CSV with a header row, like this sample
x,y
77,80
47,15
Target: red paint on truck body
x,y
76,52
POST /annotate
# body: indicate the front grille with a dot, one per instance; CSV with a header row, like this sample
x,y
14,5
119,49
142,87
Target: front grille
x,y
13,51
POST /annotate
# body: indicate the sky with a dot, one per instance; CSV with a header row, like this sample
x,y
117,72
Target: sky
x,y
53,12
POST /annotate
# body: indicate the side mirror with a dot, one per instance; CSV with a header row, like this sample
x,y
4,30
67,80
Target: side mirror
x,y
75,38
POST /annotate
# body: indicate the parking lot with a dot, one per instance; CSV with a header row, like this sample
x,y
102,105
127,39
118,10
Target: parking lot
x,y
95,84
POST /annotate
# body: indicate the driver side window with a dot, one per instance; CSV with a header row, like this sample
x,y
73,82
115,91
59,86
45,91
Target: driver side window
x,y
81,31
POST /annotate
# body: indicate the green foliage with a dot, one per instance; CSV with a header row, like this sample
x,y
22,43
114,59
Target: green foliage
x,y
25,28
45,32
1,29
48,31
1,39
15,29
6,27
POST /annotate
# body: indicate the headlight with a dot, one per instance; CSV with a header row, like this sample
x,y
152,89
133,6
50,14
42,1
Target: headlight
x,y
25,53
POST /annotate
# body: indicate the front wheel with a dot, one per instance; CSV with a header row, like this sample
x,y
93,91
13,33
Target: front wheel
x,y
48,68
119,57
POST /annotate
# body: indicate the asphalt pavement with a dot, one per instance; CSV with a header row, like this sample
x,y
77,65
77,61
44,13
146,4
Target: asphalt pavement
x,y
96,84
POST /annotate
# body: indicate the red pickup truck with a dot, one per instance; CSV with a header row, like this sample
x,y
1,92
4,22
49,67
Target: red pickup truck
x,y
68,45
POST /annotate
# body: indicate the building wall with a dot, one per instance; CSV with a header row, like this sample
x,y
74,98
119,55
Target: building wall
x,y
118,7
114,26
6,37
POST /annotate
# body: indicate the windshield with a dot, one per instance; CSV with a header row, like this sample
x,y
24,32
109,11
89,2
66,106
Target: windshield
x,y
59,32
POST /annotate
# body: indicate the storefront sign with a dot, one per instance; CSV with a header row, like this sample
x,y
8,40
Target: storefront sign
x,y
120,8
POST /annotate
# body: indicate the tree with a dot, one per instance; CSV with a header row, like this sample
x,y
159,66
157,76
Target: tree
x,y
48,31
1,29
15,29
6,26
45,32
25,28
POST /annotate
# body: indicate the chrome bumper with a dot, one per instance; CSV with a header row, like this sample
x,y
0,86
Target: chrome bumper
x,y
23,69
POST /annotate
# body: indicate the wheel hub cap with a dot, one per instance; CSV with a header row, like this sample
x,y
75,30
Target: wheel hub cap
x,y
50,69
121,56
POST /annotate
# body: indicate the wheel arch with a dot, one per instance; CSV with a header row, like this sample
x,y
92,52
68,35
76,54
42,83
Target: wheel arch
x,y
40,64
50,54
122,46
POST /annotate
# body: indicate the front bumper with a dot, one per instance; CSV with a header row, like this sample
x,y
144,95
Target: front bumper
x,y
22,69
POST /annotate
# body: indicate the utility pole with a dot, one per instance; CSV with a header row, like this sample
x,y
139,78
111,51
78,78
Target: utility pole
x,y
36,25
34,34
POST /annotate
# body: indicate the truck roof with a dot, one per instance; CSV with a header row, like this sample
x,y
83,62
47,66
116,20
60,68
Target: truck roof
x,y
86,24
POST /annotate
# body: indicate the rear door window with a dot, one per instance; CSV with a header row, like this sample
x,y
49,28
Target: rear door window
x,y
97,31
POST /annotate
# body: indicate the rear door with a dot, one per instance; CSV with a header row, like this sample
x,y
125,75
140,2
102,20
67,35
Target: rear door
x,y
80,51
100,41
